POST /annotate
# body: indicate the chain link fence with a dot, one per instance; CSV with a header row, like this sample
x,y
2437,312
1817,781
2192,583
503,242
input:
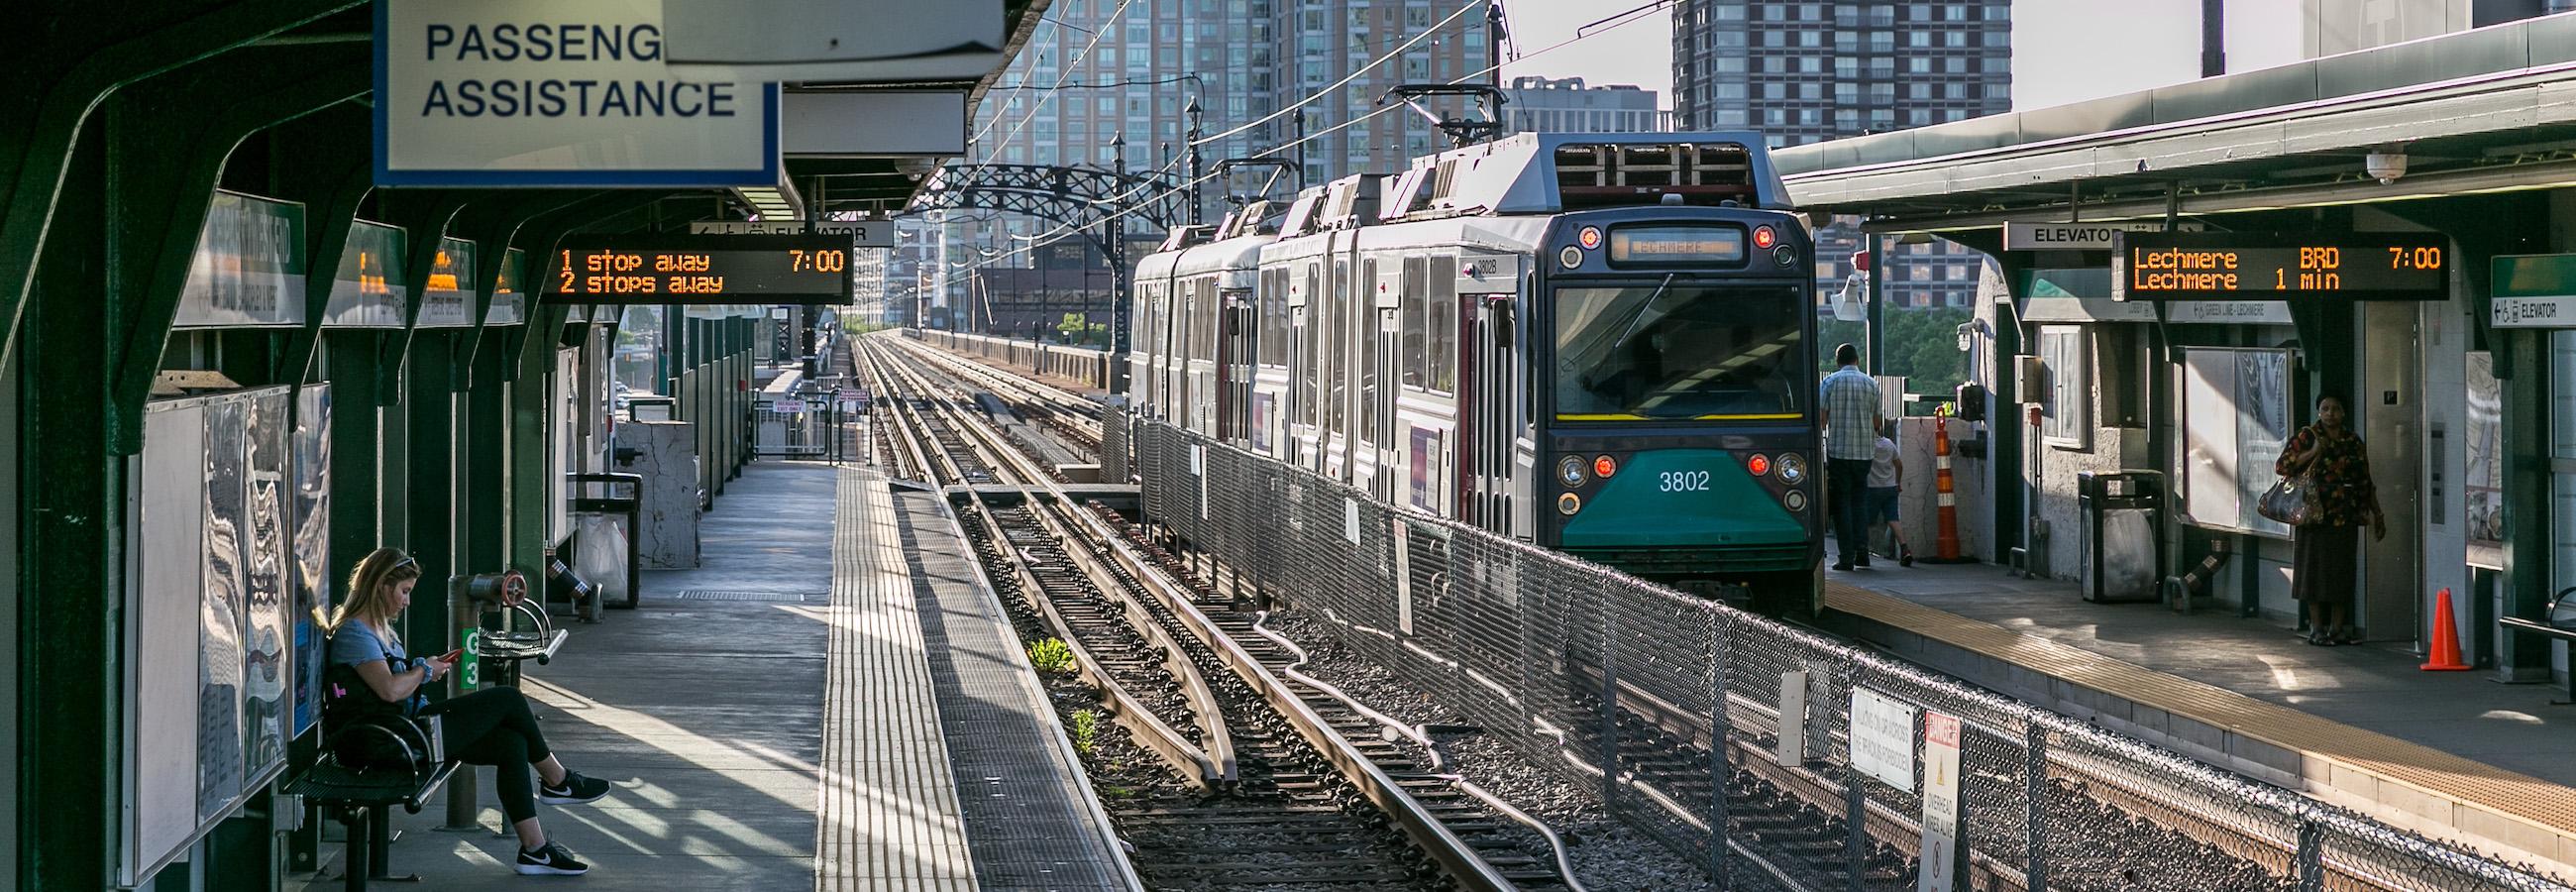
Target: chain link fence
x,y
1777,757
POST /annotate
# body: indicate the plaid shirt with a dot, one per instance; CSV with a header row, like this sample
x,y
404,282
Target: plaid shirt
x,y
1850,398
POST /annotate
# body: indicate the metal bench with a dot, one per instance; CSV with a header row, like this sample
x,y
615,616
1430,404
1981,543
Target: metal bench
x,y
2534,627
363,798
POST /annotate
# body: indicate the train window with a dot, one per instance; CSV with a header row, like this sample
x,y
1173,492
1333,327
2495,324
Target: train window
x,y
1315,308
1413,321
1336,371
1441,300
1369,336
1679,352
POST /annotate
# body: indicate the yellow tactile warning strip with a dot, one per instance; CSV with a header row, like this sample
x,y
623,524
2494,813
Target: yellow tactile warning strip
x,y
889,814
2447,791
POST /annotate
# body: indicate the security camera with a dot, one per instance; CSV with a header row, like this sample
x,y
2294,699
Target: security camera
x,y
2385,167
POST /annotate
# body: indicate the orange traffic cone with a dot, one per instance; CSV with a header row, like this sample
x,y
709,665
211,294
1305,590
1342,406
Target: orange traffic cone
x,y
1946,502
2446,638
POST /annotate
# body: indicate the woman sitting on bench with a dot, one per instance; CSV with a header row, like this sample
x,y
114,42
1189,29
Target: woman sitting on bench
x,y
487,727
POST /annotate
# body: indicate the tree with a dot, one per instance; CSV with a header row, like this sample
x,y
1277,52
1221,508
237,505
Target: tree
x,y
1921,344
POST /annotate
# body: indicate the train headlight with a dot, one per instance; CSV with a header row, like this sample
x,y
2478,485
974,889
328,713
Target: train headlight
x,y
1759,465
1763,237
1793,469
1784,255
1605,466
1569,470
1796,500
1569,503
1572,257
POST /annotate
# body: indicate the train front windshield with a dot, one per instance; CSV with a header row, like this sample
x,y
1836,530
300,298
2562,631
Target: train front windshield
x,y
1678,352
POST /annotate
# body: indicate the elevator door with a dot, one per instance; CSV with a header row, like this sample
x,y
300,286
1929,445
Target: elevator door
x,y
2389,413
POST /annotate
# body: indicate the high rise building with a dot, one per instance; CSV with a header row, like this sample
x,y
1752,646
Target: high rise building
x,y
1567,105
1319,44
1099,71
1804,72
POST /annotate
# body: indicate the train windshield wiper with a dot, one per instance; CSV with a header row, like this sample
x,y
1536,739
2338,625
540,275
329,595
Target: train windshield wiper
x,y
1627,327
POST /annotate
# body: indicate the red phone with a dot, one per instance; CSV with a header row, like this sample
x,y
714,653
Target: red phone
x,y
450,656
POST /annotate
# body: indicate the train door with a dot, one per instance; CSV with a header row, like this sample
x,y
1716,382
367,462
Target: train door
x,y
1337,376
1486,360
1234,368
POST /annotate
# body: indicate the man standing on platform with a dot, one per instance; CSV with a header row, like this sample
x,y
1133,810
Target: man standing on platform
x,y
1850,400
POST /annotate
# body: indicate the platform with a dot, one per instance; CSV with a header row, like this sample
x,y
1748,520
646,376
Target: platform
x,y
834,701
2453,755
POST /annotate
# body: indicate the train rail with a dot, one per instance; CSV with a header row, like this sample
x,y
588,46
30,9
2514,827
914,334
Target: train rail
x,y
1265,775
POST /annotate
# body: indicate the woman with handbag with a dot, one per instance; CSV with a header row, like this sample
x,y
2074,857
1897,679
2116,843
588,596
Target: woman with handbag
x,y
2327,460
487,727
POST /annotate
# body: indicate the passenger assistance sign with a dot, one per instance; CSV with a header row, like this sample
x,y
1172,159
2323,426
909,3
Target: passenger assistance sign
x,y
563,93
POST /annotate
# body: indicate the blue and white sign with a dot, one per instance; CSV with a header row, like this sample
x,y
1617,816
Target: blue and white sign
x,y
563,93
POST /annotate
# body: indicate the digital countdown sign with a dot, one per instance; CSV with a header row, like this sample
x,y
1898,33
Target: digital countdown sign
x,y
2280,266
706,269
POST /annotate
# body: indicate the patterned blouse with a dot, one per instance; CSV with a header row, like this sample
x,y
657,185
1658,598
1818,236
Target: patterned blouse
x,y
2341,474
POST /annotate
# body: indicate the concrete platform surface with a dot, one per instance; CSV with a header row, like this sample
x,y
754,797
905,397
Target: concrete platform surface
x,y
772,720
2451,754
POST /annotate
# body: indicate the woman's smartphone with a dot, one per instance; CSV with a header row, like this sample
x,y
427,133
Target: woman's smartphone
x,y
450,656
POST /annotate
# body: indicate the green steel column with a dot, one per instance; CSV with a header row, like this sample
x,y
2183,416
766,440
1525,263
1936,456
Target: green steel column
x,y
483,532
356,436
72,511
429,481
2523,358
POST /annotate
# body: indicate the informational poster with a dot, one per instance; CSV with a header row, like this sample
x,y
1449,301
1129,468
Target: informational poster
x,y
1940,861
222,574
2482,491
2067,417
2262,429
311,531
249,266
1882,738
267,589
221,604
1426,453
369,290
2236,415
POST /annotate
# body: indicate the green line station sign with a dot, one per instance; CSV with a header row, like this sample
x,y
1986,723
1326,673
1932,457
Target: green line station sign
x,y
2235,266
696,270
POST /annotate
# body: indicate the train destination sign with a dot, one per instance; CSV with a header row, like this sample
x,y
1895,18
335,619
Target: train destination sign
x,y
715,269
2242,266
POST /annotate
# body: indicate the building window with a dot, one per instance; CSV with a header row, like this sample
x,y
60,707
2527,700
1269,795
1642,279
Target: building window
x,y
2066,417
1918,65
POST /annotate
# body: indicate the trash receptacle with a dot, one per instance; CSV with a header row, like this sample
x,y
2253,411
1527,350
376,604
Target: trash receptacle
x,y
605,511
2123,535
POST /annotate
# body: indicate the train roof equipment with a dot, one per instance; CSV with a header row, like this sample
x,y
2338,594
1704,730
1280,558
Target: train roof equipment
x,y
1547,173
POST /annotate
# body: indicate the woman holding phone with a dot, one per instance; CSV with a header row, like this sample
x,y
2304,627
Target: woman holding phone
x,y
488,727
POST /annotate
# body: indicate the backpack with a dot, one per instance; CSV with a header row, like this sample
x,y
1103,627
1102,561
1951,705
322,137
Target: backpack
x,y
366,732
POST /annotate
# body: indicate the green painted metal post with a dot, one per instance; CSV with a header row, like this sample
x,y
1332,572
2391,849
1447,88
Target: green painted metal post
x,y
2527,490
71,498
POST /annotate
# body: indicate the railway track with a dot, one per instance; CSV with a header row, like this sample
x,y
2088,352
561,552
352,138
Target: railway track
x,y
1269,784
1797,812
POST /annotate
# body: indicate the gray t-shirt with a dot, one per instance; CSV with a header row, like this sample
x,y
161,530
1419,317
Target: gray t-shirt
x,y
1882,464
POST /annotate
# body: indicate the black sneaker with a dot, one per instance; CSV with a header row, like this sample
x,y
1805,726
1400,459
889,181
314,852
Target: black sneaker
x,y
576,789
552,859
1843,566
1907,559
1860,562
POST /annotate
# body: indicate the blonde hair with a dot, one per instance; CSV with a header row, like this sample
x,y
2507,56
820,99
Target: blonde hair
x,y
370,596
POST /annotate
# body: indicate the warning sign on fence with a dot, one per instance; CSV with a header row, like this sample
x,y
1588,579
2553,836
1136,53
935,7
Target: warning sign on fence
x,y
1940,804
1882,738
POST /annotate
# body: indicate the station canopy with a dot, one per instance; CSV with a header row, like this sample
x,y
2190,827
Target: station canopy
x,y
2486,110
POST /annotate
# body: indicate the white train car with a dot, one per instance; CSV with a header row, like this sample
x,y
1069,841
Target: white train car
x,y
1601,343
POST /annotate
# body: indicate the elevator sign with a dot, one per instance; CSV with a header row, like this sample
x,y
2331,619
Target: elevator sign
x,y
564,93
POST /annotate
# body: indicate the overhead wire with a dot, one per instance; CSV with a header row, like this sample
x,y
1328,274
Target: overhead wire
x,y
1062,232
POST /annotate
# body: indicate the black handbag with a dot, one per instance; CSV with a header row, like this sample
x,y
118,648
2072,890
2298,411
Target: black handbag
x,y
366,732
2291,500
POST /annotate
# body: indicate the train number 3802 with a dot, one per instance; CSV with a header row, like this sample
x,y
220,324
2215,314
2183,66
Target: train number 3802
x,y
1684,481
